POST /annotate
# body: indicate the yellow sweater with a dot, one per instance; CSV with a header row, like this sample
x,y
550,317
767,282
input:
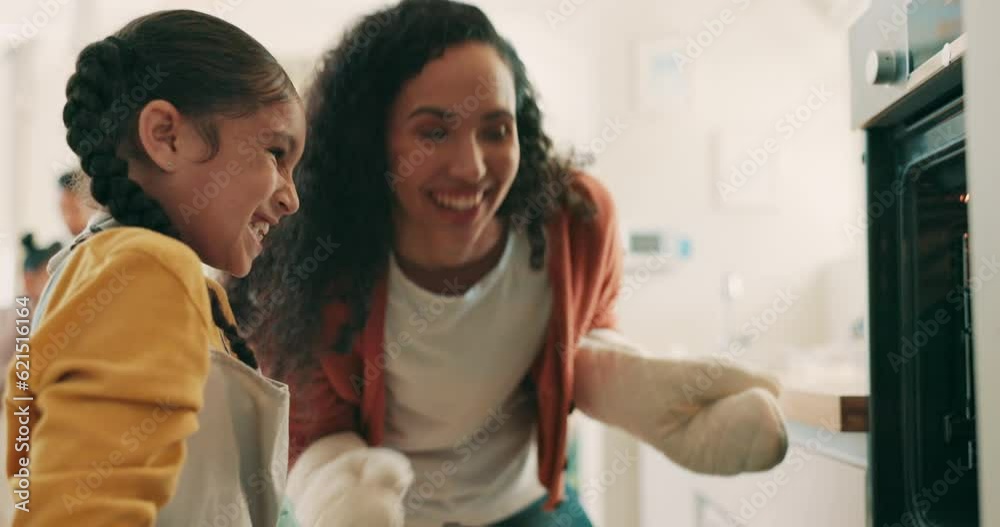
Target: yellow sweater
x,y
117,372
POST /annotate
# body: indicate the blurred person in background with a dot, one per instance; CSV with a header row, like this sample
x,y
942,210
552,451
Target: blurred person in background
x,y
74,203
36,260
34,274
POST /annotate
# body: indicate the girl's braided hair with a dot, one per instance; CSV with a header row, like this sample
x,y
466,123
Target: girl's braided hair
x,y
204,66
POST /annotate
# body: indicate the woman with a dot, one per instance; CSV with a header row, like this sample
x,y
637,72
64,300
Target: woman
x,y
469,303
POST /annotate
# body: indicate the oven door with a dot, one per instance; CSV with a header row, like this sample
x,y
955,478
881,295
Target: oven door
x,y
922,438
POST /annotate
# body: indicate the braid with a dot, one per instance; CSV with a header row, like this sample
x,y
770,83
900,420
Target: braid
x,y
240,346
105,71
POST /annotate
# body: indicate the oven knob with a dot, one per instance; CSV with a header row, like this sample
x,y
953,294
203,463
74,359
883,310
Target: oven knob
x,y
882,67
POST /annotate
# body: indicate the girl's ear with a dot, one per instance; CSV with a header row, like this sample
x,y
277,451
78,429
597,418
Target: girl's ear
x,y
159,130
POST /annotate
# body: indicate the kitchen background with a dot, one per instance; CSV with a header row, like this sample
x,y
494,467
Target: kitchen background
x,y
722,128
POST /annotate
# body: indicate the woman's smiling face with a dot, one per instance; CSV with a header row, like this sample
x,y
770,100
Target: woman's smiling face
x,y
453,146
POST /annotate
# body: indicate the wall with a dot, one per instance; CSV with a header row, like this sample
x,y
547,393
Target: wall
x,y
982,81
7,235
764,64
759,68
37,64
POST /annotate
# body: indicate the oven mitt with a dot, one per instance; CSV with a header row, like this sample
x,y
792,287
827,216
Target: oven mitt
x,y
710,416
341,482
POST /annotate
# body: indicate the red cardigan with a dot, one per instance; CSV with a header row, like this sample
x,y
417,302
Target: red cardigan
x,y
347,393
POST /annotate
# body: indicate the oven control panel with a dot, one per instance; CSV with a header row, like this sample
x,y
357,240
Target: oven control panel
x,y
899,46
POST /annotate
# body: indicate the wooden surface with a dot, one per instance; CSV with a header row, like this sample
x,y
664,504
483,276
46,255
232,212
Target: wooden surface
x,y
840,409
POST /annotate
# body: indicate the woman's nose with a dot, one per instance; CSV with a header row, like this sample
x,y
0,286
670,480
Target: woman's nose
x,y
468,164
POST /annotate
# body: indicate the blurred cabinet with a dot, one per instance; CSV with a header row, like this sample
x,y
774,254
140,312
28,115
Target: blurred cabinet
x,y
807,489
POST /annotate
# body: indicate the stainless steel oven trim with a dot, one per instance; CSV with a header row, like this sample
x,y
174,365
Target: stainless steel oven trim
x,y
944,68
952,52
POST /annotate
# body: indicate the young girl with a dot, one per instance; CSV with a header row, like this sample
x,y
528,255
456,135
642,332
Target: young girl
x,y
469,305
137,403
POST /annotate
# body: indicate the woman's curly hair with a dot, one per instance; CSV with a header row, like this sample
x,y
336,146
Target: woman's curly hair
x,y
345,183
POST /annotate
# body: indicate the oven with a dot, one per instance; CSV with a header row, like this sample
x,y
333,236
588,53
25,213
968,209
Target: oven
x,y
907,96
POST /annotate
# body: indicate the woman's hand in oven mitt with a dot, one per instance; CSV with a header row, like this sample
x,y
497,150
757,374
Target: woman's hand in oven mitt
x,y
341,482
709,416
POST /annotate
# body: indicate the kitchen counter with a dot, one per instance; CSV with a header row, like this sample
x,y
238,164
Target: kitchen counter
x,y
823,394
826,407
850,448
841,409
831,396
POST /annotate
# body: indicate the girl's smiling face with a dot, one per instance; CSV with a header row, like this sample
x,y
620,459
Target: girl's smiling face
x,y
223,201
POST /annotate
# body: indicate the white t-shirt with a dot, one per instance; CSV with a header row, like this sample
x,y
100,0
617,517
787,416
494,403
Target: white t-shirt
x,y
456,402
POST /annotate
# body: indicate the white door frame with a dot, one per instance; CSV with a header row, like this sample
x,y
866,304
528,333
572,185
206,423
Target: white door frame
x,y
982,88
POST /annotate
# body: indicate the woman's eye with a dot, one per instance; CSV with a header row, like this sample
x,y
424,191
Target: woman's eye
x,y
498,134
434,134
278,153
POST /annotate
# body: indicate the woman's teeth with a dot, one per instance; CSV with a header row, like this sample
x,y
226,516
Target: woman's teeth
x,y
259,229
459,202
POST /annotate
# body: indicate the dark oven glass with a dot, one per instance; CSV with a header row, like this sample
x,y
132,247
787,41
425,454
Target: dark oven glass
x,y
923,410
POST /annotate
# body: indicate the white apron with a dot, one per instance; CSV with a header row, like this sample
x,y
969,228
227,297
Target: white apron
x,y
236,463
